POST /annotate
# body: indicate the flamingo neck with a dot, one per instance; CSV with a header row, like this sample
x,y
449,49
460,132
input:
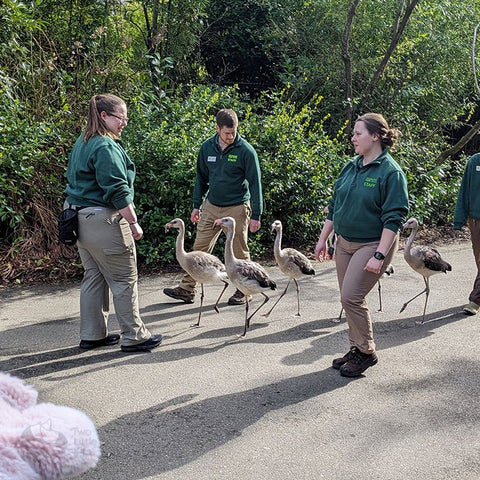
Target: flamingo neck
x,y
277,246
179,244
229,256
408,245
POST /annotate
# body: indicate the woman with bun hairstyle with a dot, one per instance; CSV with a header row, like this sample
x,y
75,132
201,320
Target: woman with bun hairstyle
x,y
100,178
367,209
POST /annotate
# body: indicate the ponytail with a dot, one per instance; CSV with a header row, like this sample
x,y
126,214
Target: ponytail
x,y
98,104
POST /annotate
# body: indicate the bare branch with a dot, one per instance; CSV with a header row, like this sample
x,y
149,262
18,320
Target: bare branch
x,y
393,45
348,62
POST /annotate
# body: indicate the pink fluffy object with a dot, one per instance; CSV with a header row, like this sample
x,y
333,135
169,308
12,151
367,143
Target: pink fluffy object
x,y
42,441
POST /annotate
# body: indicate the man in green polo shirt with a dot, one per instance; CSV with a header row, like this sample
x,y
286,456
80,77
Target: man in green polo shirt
x,y
228,184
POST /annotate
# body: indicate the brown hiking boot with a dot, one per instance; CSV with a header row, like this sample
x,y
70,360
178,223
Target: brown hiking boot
x,y
179,293
238,298
358,364
338,362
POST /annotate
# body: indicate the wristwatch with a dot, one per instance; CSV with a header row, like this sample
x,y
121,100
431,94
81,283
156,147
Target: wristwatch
x,y
379,256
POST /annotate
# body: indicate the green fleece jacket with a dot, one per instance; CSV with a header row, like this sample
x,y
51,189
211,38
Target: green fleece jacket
x,y
368,199
100,174
468,200
227,178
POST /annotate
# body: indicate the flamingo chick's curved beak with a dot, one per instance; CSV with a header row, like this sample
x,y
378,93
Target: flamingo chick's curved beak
x,y
167,227
217,223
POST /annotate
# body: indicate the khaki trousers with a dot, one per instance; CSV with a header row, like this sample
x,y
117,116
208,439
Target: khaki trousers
x,y
474,226
109,257
207,236
355,283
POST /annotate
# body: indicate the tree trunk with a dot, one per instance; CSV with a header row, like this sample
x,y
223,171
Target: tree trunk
x,y
397,33
459,145
348,65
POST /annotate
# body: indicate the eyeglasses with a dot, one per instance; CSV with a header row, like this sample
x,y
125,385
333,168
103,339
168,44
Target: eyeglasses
x,y
122,119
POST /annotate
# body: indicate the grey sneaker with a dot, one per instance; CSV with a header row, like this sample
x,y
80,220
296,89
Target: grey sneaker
x,y
238,298
471,309
179,293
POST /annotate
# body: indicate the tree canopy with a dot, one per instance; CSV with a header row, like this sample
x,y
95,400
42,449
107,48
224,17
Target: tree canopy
x,y
298,71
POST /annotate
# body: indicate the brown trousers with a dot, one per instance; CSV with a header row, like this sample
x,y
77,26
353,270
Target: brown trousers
x,y
355,283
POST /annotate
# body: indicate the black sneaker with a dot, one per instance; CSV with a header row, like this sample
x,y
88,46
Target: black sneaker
x,y
111,339
179,293
152,342
358,364
338,362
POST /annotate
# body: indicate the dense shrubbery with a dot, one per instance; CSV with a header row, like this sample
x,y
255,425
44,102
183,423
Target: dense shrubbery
x,y
299,163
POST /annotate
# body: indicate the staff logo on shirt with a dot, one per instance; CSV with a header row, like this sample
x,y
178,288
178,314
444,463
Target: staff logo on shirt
x,y
232,158
477,168
211,158
370,182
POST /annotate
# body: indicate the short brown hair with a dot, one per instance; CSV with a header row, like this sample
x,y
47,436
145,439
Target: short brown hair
x,y
227,118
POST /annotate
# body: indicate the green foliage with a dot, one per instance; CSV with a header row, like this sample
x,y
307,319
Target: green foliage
x,y
432,188
164,139
29,165
295,155
54,55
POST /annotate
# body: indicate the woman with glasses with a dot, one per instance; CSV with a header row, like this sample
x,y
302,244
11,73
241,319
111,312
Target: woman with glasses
x,y
100,178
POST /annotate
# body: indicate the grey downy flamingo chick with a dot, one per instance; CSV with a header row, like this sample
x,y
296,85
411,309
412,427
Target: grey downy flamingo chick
x,y
249,277
201,266
423,259
291,262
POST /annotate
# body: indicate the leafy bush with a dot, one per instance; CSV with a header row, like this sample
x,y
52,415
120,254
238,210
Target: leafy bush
x,y
298,161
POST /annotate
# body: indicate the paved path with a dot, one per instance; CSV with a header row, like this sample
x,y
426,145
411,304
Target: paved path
x,y
207,405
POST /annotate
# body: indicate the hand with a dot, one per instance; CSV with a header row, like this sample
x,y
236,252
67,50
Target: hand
x,y
136,230
373,265
321,251
195,216
255,225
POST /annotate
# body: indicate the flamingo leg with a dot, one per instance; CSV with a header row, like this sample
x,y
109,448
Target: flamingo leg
x,y
298,298
413,298
380,296
220,296
279,298
247,320
200,312
258,308
427,292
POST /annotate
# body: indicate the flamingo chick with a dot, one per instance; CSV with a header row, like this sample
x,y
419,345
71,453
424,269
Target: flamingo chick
x,y
423,259
249,277
291,262
201,266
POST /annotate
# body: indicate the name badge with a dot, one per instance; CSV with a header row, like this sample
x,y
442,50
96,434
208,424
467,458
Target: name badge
x,y
211,159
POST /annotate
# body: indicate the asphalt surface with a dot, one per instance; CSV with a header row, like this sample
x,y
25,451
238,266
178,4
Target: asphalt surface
x,y
208,405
